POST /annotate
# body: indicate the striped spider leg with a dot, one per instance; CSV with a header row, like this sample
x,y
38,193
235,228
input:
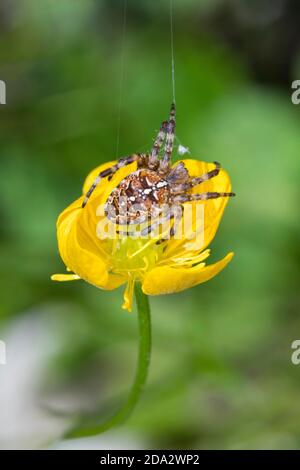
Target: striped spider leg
x,y
168,216
166,132
176,213
162,215
202,196
183,197
164,164
109,172
153,157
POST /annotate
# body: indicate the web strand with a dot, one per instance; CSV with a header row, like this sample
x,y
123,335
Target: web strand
x,y
122,70
172,51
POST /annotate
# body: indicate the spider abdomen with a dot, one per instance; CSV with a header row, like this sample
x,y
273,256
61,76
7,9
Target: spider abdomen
x,y
138,198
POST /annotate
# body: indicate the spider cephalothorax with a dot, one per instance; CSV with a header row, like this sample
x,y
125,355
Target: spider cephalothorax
x,y
156,190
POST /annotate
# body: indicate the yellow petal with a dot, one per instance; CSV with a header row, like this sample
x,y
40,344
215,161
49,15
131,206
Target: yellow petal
x,y
167,280
71,208
213,208
64,277
81,250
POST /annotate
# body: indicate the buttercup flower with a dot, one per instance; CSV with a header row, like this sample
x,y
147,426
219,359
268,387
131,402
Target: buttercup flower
x,y
142,220
163,266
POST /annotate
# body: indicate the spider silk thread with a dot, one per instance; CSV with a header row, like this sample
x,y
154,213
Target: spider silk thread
x,y
172,51
122,73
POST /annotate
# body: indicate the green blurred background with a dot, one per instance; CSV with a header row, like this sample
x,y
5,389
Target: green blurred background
x,y
221,373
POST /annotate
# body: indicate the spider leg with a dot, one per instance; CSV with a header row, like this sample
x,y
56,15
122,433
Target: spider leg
x,y
147,230
109,172
124,233
177,216
171,124
153,158
201,196
206,176
178,175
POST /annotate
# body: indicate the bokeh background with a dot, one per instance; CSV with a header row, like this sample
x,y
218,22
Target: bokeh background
x,y
221,373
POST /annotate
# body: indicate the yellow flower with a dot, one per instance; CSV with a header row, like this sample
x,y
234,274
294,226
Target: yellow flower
x,y
162,268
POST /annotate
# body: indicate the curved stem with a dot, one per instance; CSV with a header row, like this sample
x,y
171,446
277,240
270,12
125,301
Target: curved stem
x,y
93,428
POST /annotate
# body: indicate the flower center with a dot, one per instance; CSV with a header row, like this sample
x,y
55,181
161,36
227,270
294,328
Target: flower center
x,y
134,256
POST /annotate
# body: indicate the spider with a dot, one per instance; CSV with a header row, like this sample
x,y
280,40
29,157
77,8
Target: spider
x,y
145,194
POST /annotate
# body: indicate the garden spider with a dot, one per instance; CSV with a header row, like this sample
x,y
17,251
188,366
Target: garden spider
x,y
141,195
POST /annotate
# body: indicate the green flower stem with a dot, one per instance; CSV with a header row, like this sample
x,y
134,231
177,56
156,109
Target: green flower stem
x,y
93,428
